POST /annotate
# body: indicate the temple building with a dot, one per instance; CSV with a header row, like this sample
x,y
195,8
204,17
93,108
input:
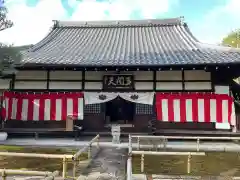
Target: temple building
x,y
146,75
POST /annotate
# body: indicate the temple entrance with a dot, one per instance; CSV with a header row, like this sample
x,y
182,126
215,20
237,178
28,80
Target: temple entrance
x,y
119,111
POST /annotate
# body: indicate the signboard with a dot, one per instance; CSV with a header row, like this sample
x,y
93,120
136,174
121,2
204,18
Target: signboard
x,y
118,81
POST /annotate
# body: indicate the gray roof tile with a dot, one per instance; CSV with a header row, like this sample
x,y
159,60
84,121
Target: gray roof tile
x,y
144,42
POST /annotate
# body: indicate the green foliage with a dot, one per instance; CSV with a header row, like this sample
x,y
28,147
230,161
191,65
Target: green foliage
x,y
232,39
9,56
4,22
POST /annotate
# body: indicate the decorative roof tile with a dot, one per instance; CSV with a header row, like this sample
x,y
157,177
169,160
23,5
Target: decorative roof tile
x,y
156,42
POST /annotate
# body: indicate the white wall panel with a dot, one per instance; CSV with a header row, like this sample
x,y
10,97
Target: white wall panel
x,y
144,85
222,90
140,75
65,75
4,83
65,85
197,75
30,85
169,86
169,75
31,75
93,85
97,75
198,85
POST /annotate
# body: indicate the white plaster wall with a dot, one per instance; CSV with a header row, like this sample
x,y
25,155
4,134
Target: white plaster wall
x,y
30,85
169,86
65,75
93,85
198,86
65,85
98,75
161,76
140,75
144,85
222,90
4,84
197,75
169,75
31,75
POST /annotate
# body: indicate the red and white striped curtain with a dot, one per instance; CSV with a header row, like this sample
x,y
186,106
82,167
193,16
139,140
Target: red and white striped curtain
x,y
195,107
46,106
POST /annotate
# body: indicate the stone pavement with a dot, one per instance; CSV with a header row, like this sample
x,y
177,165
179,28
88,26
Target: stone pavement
x,y
110,163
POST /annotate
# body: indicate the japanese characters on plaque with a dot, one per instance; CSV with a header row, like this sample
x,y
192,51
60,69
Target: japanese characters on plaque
x,y
118,81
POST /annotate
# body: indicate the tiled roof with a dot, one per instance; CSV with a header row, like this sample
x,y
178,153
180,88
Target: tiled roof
x,y
117,43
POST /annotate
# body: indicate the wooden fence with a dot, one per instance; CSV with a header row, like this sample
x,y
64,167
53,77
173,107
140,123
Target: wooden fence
x,y
88,148
48,175
164,139
142,153
66,158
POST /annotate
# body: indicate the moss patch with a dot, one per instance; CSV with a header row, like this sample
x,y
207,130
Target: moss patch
x,y
213,163
39,164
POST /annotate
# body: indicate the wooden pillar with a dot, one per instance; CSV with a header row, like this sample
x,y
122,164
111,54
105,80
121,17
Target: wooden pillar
x,y
69,123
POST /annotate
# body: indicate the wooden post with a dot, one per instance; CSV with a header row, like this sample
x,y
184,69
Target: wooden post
x,y
138,141
64,172
189,164
69,123
4,175
129,161
198,144
89,151
142,163
98,139
74,168
164,143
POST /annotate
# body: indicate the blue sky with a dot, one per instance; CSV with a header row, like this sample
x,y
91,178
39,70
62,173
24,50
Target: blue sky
x,y
209,20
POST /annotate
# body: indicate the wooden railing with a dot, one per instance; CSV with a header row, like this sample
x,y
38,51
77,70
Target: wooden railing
x,y
48,175
142,153
154,153
190,177
64,158
88,148
164,139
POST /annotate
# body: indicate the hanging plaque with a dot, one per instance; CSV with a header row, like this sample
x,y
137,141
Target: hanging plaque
x,y
118,81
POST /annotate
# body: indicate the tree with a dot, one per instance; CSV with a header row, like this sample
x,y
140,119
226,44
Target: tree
x,y
232,39
9,56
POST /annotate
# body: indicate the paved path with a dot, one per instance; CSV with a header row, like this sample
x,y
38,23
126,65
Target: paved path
x,y
180,145
109,163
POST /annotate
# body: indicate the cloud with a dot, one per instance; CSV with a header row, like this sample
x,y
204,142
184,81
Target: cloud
x,y
32,23
218,22
121,9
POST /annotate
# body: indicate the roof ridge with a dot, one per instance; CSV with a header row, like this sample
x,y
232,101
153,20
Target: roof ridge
x,y
120,23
